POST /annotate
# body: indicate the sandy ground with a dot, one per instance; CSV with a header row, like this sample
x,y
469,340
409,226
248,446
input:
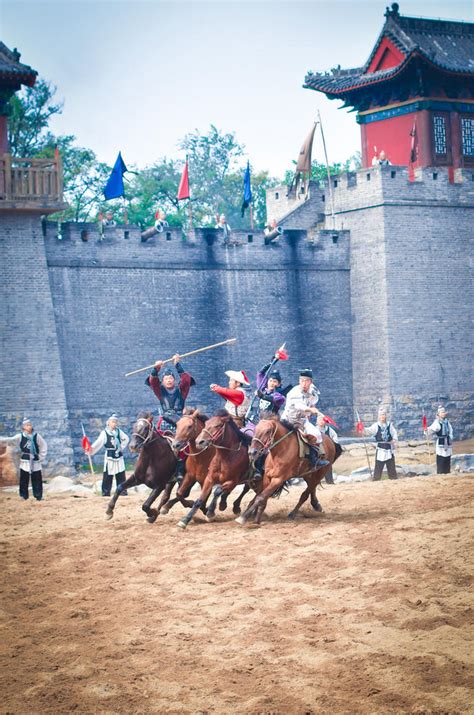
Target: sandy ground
x,y
363,609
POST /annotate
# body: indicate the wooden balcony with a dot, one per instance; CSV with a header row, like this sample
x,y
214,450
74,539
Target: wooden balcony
x,y
31,184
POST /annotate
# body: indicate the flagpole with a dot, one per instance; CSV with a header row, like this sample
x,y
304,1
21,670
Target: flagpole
x,y
90,460
331,197
366,450
251,217
190,213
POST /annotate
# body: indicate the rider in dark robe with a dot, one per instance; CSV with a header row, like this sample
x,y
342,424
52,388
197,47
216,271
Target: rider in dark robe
x,y
172,396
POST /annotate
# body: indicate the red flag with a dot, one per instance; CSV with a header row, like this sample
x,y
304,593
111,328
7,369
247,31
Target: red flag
x,y
86,445
424,423
183,190
359,426
330,421
281,353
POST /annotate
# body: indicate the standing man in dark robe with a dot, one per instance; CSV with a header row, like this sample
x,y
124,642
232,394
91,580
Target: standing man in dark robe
x,y
172,396
33,450
443,430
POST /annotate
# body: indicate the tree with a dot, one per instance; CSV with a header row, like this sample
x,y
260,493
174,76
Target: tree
x,y
319,171
28,121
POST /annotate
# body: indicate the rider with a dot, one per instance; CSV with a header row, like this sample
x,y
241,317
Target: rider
x,y
269,390
300,402
237,395
172,397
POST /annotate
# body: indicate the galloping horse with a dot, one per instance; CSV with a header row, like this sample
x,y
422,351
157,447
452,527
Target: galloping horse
x,y
197,462
156,464
229,466
282,463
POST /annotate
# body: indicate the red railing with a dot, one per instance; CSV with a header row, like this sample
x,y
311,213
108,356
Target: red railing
x,y
31,180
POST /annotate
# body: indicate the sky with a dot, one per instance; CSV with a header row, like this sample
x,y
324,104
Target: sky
x,y
138,75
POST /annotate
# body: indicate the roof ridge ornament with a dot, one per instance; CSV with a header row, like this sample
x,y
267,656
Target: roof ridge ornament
x,y
393,11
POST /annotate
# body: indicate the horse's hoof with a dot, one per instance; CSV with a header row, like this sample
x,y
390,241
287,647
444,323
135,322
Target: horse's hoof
x,y
152,516
222,507
109,514
210,517
164,510
182,524
236,510
240,520
291,516
318,508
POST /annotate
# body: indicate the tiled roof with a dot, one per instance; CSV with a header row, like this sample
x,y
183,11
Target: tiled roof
x,y
448,45
13,70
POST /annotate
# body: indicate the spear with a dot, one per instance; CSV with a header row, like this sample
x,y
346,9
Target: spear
x,y
86,445
360,430
424,424
193,352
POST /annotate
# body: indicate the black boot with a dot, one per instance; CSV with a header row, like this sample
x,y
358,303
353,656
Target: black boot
x,y
316,457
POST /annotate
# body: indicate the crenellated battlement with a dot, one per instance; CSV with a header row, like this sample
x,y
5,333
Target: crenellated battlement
x,y
83,244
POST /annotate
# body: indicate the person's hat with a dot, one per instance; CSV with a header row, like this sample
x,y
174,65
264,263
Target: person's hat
x,y
382,410
276,375
26,421
306,372
168,371
441,408
113,416
239,376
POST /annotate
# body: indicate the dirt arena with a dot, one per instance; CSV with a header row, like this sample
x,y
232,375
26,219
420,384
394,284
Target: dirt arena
x,y
363,609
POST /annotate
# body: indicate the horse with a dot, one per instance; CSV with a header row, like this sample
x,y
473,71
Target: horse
x,y
155,467
229,466
282,463
197,461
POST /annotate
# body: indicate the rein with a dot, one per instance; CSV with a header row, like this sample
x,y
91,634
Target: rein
x,y
150,437
220,433
267,447
186,446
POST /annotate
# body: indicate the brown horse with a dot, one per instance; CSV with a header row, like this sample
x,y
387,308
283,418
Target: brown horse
x,y
229,466
197,461
156,464
282,463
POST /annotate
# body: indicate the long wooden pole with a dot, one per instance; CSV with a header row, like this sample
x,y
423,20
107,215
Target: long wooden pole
x,y
193,352
90,460
366,450
331,197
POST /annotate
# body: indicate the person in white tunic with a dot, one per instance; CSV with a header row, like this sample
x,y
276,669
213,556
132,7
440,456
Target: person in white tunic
x,y
386,437
114,441
443,430
33,450
331,432
301,402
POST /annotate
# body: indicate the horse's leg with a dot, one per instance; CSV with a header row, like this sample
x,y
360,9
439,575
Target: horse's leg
x,y
257,505
165,498
303,497
223,502
315,503
211,509
198,504
146,506
238,501
130,482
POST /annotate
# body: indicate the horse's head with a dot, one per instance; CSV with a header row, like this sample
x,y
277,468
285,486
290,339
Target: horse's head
x,y
263,437
187,429
214,430
142,432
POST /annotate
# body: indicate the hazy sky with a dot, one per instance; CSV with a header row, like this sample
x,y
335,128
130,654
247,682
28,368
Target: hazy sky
x,y
138,75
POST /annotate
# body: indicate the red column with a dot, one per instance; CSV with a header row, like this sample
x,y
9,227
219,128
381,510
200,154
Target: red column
x,y
456,140
3,135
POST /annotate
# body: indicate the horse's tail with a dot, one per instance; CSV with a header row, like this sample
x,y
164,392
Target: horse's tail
x,y
282,488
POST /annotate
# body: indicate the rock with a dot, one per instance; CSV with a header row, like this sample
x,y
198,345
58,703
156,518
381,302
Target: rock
x,y
79,490
140,489
415,470
462,462
59,485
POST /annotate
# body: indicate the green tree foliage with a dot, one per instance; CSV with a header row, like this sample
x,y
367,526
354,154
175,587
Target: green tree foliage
x,y
319,171
29,117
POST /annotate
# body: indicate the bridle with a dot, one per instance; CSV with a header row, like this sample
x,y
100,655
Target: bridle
x,y
151,434
186,445
268,445
217,435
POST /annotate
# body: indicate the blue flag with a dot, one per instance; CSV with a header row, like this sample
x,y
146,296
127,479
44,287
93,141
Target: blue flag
x,y
247,190
114,187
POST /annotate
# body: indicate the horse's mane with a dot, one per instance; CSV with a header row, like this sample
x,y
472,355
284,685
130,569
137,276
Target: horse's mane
x,y
189,411
144,415
272,417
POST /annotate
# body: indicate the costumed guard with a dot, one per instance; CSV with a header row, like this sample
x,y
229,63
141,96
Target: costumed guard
x,y
300,402
386,437
237,395
222,225
443,430
114,441
331,432
33,450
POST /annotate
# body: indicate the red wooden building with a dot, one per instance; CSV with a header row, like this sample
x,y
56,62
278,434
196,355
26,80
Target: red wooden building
x,y
419,79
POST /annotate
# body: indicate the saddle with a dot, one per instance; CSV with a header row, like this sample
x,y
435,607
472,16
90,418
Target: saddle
x,y
304,446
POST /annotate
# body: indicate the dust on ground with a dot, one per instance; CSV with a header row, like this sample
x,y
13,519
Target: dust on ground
x,y
363,609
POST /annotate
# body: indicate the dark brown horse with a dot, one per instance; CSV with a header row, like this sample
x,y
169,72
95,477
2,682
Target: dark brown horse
x,y
283,462
156,464
229,466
